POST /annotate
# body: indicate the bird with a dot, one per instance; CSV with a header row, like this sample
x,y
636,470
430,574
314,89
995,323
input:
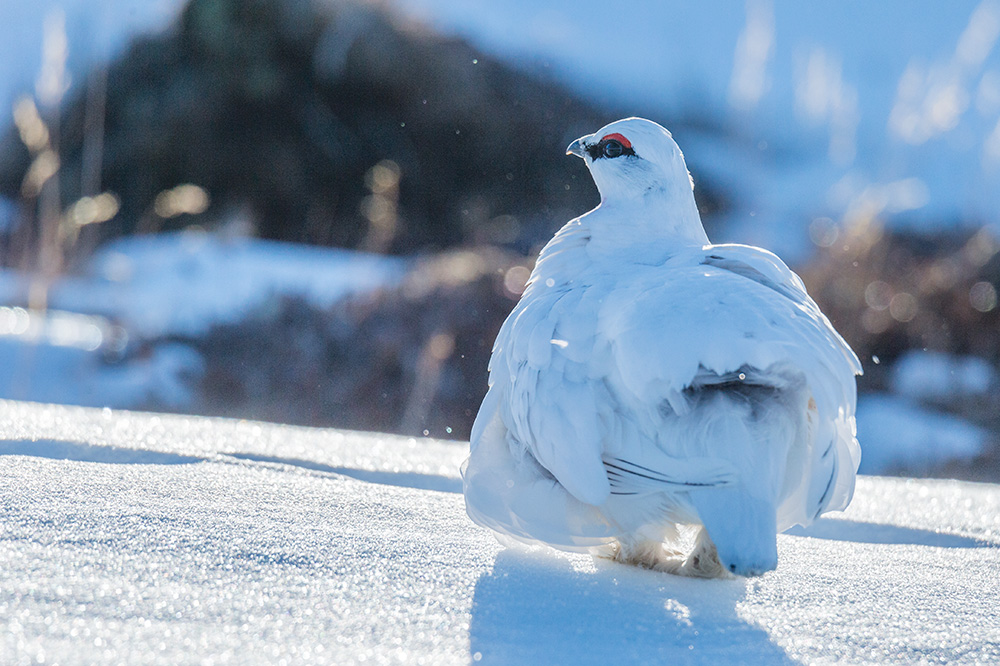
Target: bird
x,y
657,399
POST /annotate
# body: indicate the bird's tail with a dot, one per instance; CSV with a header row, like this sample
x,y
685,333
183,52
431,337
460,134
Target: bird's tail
x,y
742,527
755,430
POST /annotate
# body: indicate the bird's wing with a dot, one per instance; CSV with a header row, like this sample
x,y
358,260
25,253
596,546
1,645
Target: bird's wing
x,y
768,270
718,309
580,373
550,368
554,366
708,314
520,499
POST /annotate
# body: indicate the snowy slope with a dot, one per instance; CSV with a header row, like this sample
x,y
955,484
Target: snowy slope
x,y
183,283
154,288
135,538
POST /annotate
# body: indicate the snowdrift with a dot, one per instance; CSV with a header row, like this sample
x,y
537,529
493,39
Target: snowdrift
x,y
151,539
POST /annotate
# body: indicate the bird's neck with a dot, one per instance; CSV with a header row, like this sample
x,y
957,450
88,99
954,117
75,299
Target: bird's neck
x,y
654,221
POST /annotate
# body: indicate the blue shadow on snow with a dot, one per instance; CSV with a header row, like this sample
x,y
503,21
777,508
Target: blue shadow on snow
x,y
66,450
415,480
835,529
533,608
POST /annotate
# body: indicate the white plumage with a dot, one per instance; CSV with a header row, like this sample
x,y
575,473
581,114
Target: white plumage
x,y
649,380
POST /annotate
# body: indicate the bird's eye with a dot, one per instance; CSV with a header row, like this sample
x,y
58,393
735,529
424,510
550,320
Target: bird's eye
x,y
613,148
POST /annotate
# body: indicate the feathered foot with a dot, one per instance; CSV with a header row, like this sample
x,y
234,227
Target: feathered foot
x,y
701,562
643,553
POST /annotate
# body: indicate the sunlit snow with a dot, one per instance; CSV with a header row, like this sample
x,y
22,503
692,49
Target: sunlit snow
x,y
155,288
133,538
185,282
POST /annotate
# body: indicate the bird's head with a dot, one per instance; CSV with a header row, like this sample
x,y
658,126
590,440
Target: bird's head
x,y
634,158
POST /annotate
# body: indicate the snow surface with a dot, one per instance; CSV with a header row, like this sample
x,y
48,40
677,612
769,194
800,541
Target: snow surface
x,y
937,376
142,539
896,434
183,283
151,288
166,375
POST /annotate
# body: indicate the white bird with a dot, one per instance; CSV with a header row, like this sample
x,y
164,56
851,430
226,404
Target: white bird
x,y
648,380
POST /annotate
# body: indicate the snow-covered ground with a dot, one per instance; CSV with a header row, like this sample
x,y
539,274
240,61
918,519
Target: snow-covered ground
x,y
151,288
898,434
935,376
183,283
889,107
142,539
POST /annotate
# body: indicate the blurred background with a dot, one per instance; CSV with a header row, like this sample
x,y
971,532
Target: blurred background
x,y
320,211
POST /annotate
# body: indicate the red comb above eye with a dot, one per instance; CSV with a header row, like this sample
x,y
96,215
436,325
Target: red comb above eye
x,y
619,138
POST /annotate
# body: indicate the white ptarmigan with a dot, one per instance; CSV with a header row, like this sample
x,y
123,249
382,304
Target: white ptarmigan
x,y
648,380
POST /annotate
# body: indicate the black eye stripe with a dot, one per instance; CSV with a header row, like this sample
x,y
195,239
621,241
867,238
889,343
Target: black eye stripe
x,y
601,149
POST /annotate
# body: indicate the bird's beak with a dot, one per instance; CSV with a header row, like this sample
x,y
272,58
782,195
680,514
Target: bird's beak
x,y
579,147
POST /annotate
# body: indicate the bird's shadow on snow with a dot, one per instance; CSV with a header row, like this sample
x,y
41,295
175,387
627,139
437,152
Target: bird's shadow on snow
x,y
537,608
57,449
402,479
836,529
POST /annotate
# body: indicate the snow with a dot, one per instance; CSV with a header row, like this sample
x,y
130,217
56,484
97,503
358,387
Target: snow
x,y
923,375
69,375
185,282
181,284
152,288
897,434
142,539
